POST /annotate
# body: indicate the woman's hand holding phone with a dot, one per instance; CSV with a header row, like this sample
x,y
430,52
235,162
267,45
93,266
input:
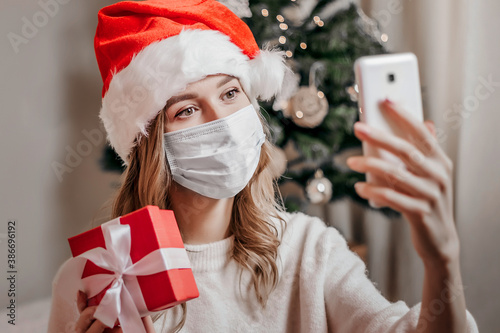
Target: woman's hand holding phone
x,y
422,191
405,167
87,323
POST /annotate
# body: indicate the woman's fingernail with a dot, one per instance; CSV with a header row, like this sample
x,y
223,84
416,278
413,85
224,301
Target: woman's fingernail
x,y
358,186
363,128
352,162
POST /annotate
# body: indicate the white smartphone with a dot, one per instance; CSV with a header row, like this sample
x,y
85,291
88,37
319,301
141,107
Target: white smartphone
x,y
392,76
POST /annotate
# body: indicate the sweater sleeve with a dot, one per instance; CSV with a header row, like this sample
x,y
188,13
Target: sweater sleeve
x,y
353,304
65,285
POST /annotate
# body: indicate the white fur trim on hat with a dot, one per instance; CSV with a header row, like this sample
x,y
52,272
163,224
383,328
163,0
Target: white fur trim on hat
x,y
163,69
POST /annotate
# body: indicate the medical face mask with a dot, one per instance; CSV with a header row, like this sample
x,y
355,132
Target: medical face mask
x,y
218,158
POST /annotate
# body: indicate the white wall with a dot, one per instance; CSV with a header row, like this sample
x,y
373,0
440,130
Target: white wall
x,y
478,191
457,44
49,92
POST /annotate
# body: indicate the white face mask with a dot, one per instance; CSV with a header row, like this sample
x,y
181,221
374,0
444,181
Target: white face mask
x,y
216,159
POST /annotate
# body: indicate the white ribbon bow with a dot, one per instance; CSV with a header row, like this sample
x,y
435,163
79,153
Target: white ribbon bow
x,y
118,302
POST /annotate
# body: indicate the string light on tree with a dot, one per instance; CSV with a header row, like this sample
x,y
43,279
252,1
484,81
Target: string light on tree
x,y
384,37
289,54
318,21
264,12
283,26
303,46
282,39
280,18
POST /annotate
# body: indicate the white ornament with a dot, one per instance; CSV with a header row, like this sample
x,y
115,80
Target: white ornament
x,y
308,107
319,189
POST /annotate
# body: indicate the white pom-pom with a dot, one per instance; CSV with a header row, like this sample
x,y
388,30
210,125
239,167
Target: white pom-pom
x,y
267,73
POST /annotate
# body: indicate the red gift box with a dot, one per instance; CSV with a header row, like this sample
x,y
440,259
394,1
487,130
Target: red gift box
x,y
151,229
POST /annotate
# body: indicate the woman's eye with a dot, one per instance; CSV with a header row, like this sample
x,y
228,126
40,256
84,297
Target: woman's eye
x,y
186,113
231,94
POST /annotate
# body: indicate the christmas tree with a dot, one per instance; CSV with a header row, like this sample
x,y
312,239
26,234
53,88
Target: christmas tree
x,y
312,119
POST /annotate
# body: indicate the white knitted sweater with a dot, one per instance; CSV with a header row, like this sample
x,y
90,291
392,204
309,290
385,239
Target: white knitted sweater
x,y
323,287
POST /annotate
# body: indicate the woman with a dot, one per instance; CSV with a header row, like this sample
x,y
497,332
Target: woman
x,y
181,82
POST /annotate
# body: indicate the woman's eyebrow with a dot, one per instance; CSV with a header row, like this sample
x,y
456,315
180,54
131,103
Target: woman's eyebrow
x,y
180,98
225,80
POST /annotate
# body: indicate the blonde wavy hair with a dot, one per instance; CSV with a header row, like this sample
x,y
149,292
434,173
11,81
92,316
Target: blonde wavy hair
x,y
147,181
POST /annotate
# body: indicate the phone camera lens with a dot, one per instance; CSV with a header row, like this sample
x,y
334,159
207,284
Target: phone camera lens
x,y
391,77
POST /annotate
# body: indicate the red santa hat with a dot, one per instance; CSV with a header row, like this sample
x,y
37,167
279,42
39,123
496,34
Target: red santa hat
x,y
149,51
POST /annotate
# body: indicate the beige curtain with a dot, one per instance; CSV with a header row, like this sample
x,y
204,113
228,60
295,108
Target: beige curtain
x,y
457,44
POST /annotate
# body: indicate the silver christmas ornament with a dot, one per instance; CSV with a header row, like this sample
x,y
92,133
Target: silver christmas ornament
x,y
319,189
308,107
353,92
